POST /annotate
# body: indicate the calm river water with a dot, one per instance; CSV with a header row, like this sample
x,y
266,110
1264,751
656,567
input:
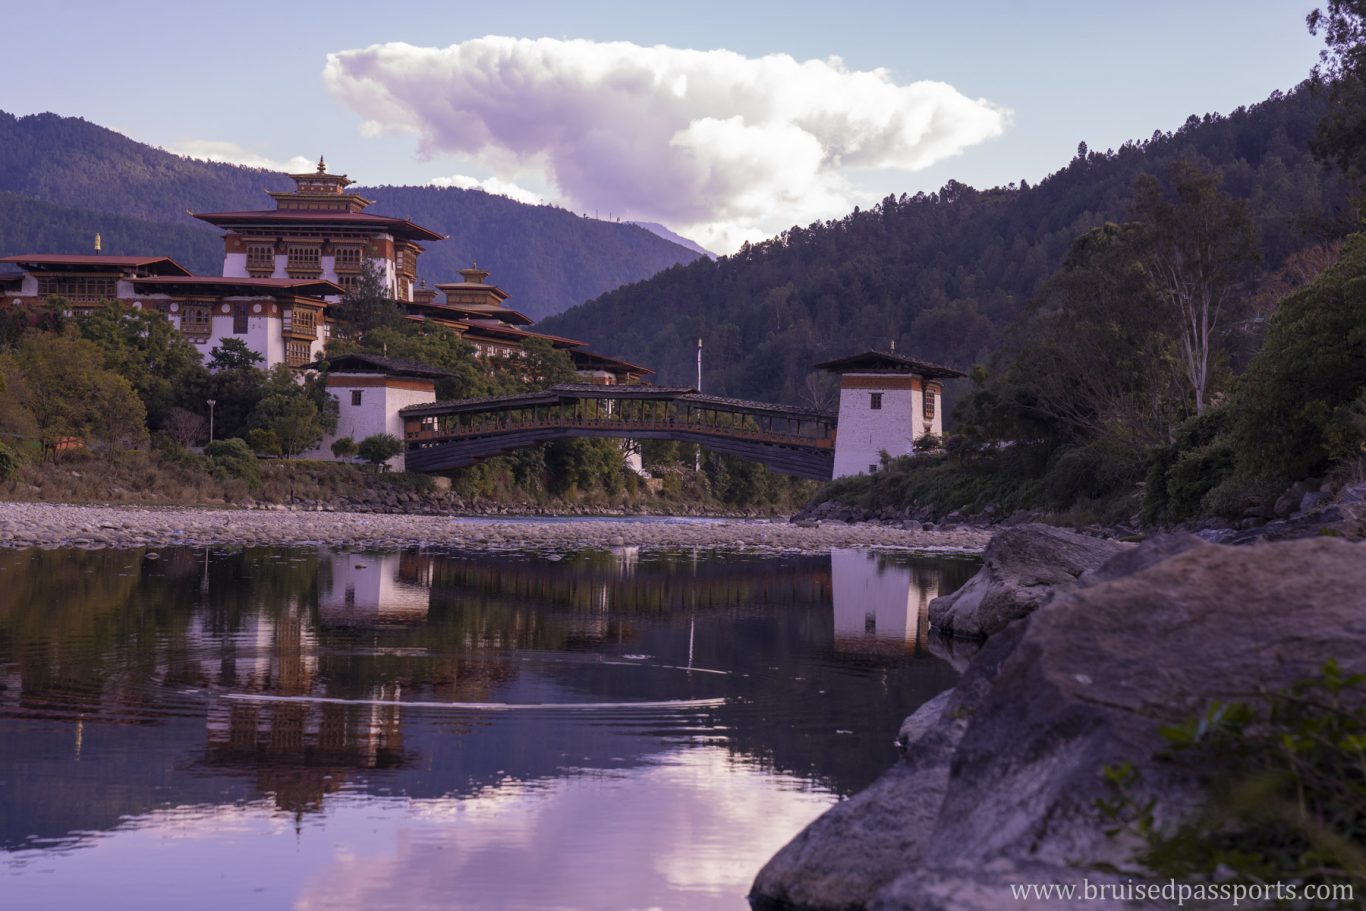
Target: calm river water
x,y
310,729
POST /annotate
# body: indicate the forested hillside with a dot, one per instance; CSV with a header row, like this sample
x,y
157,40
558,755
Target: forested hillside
x,y
547,258
944,273
65,178
29,225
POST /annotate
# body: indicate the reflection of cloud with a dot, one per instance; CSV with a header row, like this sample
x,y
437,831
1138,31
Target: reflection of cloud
x,y
232,153
696,824
691,831
720,146
493,185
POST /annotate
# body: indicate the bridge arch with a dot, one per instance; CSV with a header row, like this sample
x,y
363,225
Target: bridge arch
x,y
442,436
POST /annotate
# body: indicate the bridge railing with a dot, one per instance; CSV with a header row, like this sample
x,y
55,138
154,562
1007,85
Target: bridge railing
x,y
420,432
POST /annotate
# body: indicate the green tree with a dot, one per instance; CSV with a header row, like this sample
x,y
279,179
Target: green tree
x,y
9,462
64,387
292,418
379,448
17,422
1341,134
116,420
368,305
1295,410
431,345
344,448
235,393
232,458
147,350
233,354
263,441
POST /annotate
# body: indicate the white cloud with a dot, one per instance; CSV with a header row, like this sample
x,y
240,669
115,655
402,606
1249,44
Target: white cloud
x,y
716,145
495,185
232,153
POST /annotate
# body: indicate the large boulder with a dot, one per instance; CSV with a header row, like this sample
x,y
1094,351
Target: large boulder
x,y
1135,559
1084,681
1022,567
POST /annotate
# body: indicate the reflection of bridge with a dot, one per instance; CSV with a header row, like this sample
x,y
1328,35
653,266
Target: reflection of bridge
x,y
447,435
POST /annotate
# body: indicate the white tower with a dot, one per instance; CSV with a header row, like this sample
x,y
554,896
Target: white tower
x,y
887,402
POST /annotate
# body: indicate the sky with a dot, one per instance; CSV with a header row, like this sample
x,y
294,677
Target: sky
x,y
726,121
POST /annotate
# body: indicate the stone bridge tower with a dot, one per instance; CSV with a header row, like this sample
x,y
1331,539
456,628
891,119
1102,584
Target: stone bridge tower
x,y
887,402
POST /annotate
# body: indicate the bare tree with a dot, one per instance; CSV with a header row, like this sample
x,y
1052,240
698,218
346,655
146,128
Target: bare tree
x,y
821,392
185,427
1196,252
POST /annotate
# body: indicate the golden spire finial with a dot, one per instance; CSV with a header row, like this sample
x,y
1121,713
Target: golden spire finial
x,y
322,165
97,242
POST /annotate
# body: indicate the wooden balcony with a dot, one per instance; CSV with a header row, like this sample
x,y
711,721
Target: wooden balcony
x,y
300,324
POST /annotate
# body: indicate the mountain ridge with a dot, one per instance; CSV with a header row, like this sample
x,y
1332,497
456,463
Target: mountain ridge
x,y
60,174
944,274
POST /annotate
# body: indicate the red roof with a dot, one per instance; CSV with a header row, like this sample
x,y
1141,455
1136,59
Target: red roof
x,y
588,359
477,311
400,227
162,264
506,331
308,286
501,330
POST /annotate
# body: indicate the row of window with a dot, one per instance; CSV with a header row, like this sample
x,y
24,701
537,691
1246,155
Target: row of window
x,y
296,353
261,257
875,402
84,290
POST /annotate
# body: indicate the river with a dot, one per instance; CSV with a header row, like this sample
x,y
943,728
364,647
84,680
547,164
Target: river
x,y
317,729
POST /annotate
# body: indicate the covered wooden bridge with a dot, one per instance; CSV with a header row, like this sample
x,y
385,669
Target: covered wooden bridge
x,y
446,435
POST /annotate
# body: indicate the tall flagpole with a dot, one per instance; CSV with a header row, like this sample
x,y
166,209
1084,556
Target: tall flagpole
x,y
697,450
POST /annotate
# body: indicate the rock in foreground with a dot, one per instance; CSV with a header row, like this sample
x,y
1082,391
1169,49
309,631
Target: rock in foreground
x,y
1023,567
1001,776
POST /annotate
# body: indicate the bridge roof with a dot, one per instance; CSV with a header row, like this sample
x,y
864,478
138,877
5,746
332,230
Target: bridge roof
x,y
888,362
572,391
362,362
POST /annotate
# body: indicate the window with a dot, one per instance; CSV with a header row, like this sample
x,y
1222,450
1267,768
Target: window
x,y
347,258
872,469
301,321
875,401
196,320
260,258
355,396
348,282
296,353
79,290
239,320
930,394
304,259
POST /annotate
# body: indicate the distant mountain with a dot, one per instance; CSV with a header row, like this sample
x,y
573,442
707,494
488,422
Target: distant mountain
x,y
944,274
546,257
29,225
659,230
64,178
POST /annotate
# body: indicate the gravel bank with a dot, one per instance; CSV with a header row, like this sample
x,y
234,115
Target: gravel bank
x,y
49,525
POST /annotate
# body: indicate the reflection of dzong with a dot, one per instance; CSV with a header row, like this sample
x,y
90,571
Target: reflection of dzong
x,y
374,588
879,601
299,752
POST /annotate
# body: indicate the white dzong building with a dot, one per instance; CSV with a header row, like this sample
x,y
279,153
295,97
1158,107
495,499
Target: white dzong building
x,y
887,403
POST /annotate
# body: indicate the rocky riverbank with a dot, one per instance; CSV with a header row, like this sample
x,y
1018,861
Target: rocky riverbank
x,y
49,525
1091,647
1305,510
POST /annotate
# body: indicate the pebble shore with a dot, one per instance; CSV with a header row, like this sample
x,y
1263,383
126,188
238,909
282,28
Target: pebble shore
x,y
52,525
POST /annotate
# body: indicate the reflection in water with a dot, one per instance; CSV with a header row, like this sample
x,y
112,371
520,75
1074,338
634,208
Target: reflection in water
x,y
317,729
879,600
